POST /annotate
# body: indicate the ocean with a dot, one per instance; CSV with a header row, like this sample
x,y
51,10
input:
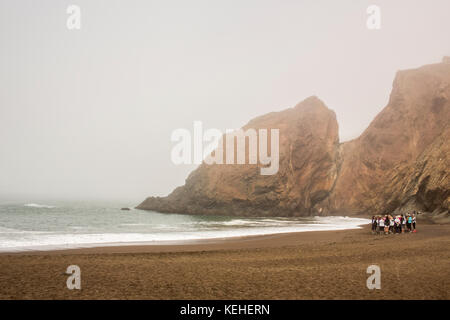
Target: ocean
x,y
51,225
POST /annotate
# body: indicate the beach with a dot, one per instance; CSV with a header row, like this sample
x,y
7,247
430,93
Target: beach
x,y
305,265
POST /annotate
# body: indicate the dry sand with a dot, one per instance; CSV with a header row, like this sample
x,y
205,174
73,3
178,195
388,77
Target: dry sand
x,y
309,265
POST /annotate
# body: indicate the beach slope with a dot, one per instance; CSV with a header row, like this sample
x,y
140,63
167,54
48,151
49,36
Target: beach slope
x,y
309,265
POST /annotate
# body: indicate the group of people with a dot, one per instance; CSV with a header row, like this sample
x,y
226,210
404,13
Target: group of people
x,y
398,224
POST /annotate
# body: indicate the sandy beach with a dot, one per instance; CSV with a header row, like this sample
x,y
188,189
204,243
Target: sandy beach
x,y
308,265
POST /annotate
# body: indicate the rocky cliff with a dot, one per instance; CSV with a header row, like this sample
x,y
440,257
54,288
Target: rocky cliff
x,y
401,161
374,167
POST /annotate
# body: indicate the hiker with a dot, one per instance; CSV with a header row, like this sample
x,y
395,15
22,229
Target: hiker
x,y
398,226
374,224
408,222
380,225
386,224
391,224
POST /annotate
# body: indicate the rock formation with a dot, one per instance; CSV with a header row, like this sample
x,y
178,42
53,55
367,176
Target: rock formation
x,y
400,162
416,116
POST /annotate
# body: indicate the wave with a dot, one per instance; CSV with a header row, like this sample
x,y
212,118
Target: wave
x,y
9,230
70,240
36,205
4,230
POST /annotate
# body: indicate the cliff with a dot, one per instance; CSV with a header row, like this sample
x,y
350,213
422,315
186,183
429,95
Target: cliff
x,y
401,161
416,116
309,145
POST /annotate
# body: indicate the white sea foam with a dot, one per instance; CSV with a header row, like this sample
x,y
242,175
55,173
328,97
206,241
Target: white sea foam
x,y
35,205
52,241
4,230
9,230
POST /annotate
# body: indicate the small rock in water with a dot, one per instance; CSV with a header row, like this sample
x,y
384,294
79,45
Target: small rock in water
x,y
125,209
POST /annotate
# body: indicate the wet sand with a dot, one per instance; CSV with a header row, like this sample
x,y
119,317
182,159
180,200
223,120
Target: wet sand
x,y
308,265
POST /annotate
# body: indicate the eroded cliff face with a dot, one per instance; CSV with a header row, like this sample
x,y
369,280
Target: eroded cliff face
x,y
399,162
417,114
424,185
309,144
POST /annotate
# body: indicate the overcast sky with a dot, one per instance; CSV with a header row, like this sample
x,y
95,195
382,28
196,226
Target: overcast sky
x,y
88,113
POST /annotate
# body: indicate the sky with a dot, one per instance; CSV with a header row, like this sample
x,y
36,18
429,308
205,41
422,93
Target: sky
x,y
88,113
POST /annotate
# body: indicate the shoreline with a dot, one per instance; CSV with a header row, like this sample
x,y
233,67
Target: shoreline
x,y
304,265
165,243
186,245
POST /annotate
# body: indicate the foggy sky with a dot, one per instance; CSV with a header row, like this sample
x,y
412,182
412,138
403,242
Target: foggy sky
x,y
89,113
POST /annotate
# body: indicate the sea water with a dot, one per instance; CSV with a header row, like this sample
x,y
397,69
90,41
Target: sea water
x,y
54,225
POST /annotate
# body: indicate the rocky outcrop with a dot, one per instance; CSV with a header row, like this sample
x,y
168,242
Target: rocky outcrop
x,y
401,161
309,149
416,116
425,185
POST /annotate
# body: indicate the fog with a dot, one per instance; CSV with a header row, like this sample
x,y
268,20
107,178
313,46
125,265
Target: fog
x,y
89,113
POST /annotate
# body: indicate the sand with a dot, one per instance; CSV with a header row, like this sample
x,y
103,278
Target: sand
x,y
308,265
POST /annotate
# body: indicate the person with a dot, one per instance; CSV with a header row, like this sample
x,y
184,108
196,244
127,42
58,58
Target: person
x,y
374,224
386,224
398,226
403,220
408,222
391,224
414,223
380,225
